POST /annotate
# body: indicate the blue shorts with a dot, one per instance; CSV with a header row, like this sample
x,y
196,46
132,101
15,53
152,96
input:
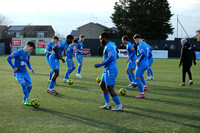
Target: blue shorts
x,y
131,65
139,71
54,62
69,63
20,77
150,62
47,58
79,58
109,77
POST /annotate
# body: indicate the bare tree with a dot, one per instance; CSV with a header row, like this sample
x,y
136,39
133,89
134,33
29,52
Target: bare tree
x,y
4,20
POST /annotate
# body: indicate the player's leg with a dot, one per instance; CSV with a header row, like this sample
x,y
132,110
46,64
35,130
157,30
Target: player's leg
x,y
128,71
110,83
27,78
190,75
51,72
138,75
73,67
105,93
148,73
183,76
20,78
80,64
69,65
133,77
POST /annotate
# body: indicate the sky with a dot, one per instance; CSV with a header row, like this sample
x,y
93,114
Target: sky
x,y
65,15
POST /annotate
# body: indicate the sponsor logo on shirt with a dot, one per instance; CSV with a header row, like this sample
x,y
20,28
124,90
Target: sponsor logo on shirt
x,y
22,63
110,53
141,50
59,45
12,55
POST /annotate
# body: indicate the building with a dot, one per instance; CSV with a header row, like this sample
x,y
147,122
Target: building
x,y
3,31
93,30
39,31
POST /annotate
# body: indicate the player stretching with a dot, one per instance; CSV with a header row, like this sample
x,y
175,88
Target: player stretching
x,y
79,57
70,62
150,62
109,74
49,50
21,60
141,64
131,61
54,62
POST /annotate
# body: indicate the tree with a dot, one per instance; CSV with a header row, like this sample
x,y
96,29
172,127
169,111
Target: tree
x,y
4,20
150,18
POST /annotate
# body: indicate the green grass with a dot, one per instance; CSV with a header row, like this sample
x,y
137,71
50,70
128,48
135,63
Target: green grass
x,y
167,107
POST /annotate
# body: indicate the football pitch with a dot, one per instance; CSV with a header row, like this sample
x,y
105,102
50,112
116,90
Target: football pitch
x,y
167,107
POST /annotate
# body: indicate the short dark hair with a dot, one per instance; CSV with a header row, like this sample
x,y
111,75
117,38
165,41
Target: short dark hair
x,y
81,36
143,40
105,35
55,37
125,37
75,41
31,44
137,36
69,37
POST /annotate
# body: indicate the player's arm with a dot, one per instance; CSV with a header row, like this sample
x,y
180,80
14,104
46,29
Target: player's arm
x,y
182,55
29,65
47,51
56,52
76,49
109,59
194,57
141,55
9,59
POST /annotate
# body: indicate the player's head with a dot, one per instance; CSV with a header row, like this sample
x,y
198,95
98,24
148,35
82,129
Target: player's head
x,y
81,37
183,41
137,38
125,39
69,39
104,38
29,46
74,42
143,40
55,39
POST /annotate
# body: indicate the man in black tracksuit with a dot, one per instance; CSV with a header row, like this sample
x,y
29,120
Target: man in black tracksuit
x,y
187,55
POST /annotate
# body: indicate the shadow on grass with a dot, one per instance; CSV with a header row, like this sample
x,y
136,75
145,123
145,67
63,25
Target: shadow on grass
x,y
162,119
189,117
89,121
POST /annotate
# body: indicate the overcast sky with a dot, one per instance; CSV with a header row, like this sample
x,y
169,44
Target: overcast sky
x,y
66,15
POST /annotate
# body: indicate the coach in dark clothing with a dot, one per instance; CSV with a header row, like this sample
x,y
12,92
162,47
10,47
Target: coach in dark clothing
x,y
187,55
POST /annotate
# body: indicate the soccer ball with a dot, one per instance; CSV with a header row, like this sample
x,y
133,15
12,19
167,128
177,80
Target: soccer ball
x,y
35,102
98,79
122,91
69,82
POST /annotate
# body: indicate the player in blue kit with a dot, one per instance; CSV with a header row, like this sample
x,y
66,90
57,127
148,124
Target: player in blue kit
x,y
49,51
79,56
109,74
150,62
54,62
141,64
21,60
69,59
131,61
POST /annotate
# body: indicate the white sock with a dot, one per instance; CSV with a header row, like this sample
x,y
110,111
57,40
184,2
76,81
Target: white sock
x,y
131,82
108,104
190,81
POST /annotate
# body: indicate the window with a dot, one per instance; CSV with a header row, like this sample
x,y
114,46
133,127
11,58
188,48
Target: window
x,y
40,34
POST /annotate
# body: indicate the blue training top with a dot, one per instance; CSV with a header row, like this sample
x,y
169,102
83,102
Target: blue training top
x,y
70,52
131,51
49,47
21,59
143,54
150,52
61,47
79,46
110,57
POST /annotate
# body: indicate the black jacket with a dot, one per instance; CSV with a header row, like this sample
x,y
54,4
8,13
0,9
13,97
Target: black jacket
x,y
187,55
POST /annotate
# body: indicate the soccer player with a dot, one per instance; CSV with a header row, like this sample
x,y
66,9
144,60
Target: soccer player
x,y
21,60
70,63
141,64
150,62
131,61
79,57
54,62
109,74
49,51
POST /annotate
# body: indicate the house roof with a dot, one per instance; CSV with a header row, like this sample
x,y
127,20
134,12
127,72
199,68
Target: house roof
x,y
91,23
32,27
74,33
